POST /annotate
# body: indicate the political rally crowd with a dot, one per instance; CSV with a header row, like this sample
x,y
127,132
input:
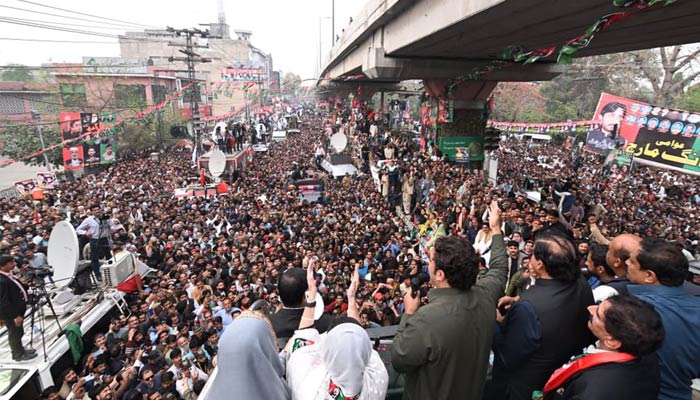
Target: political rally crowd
x,y
259,294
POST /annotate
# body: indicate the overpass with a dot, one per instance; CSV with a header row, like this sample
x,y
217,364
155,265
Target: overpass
x,y
432,39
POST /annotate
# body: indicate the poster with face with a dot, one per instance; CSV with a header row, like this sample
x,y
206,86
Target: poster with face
x,y
45,180
91,123
71,126
73,157
25,187
108,152
656,136
92,154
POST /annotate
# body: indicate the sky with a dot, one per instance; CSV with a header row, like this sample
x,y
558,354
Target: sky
x,y
288,29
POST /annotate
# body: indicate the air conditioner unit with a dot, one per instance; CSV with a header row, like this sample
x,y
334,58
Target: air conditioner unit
x,y
118,269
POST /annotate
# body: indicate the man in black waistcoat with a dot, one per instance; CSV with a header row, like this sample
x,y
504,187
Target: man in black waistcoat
x,y
292,286
13,304
545,327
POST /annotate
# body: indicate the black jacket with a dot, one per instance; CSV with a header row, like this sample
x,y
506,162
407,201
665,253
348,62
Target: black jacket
x,y
634,380
12,302
285,322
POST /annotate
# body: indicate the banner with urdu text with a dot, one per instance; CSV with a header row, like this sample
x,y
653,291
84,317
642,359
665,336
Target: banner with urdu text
x,y
657,136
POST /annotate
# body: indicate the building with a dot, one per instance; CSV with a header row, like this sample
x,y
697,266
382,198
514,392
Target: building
x,y
19,99
234,61
119,86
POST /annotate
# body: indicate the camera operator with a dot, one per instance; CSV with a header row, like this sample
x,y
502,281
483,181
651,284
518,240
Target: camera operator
x,y
96,228
13,304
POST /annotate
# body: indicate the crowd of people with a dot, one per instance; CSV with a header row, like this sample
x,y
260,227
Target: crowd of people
x,y
492,292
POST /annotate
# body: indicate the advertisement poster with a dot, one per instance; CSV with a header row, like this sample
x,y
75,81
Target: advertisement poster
x,y
618,163
92,154
656,136
108,153
45,180
73,157
242,75
462,149
25,187
71,126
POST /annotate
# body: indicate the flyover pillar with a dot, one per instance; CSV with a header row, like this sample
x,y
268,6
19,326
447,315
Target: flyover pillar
x,y
469,102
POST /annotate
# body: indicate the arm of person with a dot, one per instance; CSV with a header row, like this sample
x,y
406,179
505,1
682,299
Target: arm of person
x,y
517,336
598,236
495,279
83,228
412,345
307,318
353,311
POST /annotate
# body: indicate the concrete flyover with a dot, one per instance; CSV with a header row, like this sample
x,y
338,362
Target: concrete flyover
x,y
392,40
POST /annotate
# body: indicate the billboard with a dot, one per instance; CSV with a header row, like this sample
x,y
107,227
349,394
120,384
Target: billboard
x,y
75,124
654,135
242,75
462,149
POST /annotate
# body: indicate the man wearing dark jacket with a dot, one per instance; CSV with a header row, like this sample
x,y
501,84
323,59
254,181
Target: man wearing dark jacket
x,y
443,347
292,285
622,365
13,304
545,327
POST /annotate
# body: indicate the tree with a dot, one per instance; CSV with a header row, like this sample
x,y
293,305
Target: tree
x,y
519,102
17,141
690,100
669,71
291,83
17,74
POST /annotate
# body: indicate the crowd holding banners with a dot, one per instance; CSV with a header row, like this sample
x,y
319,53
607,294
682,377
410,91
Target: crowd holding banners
x,y
217,255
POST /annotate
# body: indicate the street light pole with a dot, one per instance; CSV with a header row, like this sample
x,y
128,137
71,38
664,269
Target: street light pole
x,y
37,118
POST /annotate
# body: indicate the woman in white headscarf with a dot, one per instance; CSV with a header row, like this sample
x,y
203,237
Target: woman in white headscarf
x,y
339,364
249,366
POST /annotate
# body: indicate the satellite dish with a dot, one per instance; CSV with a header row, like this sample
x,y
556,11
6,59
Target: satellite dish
x,y
63,253
338,142
217,163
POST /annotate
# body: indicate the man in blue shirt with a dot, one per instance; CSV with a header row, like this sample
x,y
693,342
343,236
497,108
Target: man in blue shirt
x,y
657,270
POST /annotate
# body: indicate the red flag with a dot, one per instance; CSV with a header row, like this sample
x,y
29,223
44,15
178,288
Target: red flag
x,y
37,219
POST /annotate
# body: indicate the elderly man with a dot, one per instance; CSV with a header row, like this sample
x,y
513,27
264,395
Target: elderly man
x,y
545,327
657,270
622,365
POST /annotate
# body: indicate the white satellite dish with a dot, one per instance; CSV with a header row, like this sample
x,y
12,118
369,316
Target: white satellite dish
x,y
63,253
338,142
217,163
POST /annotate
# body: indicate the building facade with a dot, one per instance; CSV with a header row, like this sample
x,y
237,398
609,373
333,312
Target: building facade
x,y
234,61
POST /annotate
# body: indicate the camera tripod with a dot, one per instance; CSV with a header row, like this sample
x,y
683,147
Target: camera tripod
x,y
38,292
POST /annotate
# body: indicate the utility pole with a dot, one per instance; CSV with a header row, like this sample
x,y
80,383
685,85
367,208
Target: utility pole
x,y
190,61
37,118
332,23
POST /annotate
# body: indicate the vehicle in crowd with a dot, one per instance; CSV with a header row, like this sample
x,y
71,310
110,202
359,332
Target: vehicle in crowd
x,y
70,302
279,136
260,147
310,190
339,165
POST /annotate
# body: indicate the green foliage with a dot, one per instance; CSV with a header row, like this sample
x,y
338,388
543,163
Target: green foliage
x,y
19,74
690,100
17,141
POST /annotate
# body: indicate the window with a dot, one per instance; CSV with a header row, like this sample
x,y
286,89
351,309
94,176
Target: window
x,y
73,95
159,93
130,96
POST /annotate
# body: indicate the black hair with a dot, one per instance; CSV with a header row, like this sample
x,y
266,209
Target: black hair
x,y
612,106
598,254
5,259
292,285
458,260
558,256
342,320
635,323
48,392
197,386
664,259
